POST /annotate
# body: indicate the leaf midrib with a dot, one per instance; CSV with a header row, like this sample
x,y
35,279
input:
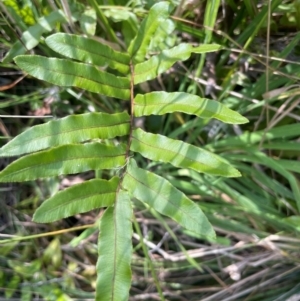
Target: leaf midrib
x,y
115,249
214,114
175,153
66,132
79,198
168,200
172,104
102,55
82,77
52,162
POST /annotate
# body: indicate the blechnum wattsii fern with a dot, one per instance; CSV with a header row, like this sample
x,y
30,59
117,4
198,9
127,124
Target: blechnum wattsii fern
x,y
78,143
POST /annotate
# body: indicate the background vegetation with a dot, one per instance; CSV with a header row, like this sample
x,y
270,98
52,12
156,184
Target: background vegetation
x,y
256,217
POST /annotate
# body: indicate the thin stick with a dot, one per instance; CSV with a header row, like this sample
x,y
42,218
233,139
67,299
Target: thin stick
x,y
23,116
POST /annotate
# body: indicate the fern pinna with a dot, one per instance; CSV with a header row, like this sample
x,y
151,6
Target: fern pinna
x,y
79,143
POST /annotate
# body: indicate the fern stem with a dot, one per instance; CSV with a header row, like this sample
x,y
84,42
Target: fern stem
x,y
131,109
127,154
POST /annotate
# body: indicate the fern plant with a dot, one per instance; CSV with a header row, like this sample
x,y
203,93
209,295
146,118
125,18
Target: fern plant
x,y
79,143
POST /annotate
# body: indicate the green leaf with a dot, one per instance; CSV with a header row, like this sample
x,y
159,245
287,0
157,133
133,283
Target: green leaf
x,y
106,28
161,195
32,36
180,154
71,129
11,286
115,251
88,51
159,103
63,72
160,63
88,22
164,37
157,15
79,198
66,159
